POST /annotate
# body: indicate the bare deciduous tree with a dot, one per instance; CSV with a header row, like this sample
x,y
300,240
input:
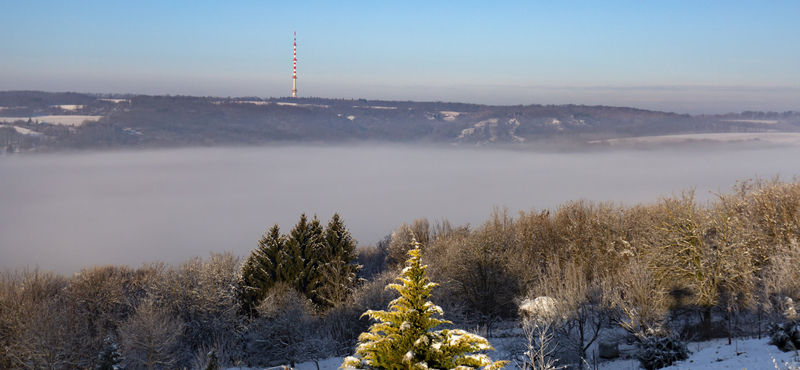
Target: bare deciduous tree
x,y
705,252
635,299
149,338
539,347
287,329
578,303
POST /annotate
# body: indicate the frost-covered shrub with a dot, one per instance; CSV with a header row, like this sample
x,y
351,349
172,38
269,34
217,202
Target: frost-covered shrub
x,y
786,336
660,351
539,309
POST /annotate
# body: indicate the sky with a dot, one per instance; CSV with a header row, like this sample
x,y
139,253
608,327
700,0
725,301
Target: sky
x,y
683,56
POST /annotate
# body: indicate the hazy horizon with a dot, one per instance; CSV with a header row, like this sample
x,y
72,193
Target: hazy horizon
x,y
70,210
685,57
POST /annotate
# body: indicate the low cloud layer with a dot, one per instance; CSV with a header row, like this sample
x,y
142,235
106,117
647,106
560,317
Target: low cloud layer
x,y
63,212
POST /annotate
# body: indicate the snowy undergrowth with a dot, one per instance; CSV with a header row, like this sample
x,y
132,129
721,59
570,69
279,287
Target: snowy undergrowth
x,y
753,354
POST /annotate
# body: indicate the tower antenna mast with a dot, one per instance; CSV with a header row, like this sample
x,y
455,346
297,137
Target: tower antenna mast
x,y
294,68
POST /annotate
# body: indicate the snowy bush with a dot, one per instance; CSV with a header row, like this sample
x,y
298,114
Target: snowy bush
x,y
539,309
660,351
786,336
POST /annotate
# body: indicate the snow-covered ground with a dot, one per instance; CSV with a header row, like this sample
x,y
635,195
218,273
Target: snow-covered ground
x,y
55,120
765,121
790,138
23,130
255,102
449,116
749,354
373,107
69,106
304,105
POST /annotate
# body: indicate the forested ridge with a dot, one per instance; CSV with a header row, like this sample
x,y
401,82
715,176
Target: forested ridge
x,y
143,121
672,268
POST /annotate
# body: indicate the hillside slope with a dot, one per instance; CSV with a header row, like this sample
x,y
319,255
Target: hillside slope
x,y
176,121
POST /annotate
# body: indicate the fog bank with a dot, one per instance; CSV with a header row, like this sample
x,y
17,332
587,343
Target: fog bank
x,y
66,211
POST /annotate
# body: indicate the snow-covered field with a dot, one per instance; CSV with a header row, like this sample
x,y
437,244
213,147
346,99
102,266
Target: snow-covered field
x,y
69,106
23,130
255,102
765,121
304,105
450,116
790,138
749,354
55,120
373,107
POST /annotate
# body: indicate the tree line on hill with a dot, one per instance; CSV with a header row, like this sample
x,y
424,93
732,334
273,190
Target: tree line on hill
x,y
673,268
141,121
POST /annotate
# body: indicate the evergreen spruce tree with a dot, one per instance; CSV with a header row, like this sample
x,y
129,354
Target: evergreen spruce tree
x,y
403,337
316,262
305,242
337,263
213,361
110,358
266,265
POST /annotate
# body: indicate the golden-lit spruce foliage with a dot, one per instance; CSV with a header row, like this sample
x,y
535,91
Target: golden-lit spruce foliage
x,y
403,337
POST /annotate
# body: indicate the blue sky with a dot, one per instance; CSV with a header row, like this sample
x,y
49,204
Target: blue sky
x,y
683,56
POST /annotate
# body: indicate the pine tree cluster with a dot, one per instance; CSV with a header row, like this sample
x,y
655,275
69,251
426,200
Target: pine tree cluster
x,y
317,262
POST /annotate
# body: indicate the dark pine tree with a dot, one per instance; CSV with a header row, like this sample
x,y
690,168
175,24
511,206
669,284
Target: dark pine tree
x,y
110,358
317,262
266,265
337,264
213,361
306,241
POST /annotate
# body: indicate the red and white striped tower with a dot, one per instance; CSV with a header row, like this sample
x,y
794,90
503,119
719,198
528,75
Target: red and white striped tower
x,y
294,69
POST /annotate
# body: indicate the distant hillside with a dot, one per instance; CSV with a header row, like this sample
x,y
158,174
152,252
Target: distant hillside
x,y
125,121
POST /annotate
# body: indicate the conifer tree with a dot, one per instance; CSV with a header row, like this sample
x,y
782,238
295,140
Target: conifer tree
x,y
316,262
403,337
266,265
213,361
305,242
110,358
337,263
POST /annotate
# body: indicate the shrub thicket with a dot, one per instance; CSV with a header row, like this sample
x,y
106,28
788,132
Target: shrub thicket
x,y
638,267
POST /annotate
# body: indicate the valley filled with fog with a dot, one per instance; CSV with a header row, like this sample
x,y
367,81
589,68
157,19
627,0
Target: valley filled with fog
x,y
62,211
